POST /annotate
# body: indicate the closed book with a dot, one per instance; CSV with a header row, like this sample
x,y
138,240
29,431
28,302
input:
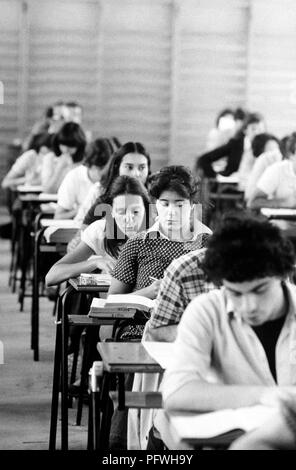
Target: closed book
x,y
86,279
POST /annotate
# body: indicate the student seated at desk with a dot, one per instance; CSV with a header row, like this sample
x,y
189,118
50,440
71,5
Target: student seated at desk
x,y
243,332
131,159
260,144
149,253
277,186
28,166
68,146
175,232
77,183
182,282
233,150
100,187
125,206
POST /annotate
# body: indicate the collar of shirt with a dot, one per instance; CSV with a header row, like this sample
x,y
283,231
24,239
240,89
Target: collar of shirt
x,y
155,232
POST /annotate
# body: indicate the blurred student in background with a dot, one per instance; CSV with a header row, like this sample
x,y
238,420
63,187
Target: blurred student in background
x,y
77,183
68,147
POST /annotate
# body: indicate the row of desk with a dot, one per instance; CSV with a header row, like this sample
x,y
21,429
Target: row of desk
x,y
117,358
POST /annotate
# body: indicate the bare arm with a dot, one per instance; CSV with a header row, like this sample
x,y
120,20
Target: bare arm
x,y
12,182
62,213
204,396
119,287
74,263
165,333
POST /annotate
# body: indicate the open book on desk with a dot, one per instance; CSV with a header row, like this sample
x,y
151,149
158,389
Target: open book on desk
x,y
219,425
120,305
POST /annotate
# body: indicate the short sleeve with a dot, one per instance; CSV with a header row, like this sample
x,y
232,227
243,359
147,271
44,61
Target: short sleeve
x,y
126,269
22,164
269,180
90,199
66,192
47,168
93,236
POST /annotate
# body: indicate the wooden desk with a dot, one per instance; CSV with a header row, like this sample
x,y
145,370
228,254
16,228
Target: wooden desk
x,y
279,213
29,189
118,359
56,243
127,357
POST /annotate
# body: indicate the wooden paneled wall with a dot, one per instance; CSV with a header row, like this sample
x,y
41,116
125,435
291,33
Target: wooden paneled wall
x,y
156,71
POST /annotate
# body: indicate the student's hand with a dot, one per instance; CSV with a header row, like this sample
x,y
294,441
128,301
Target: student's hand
x,y
274,395
106,264
154,288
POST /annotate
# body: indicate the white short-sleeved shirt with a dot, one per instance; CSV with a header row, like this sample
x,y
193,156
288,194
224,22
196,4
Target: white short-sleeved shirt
x,y
264,161
279,181
92,196
74,188
94,236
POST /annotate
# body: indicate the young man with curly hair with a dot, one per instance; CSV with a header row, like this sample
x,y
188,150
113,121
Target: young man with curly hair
x,y
244,332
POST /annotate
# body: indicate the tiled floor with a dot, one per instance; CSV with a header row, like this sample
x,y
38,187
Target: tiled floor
x,y
25,385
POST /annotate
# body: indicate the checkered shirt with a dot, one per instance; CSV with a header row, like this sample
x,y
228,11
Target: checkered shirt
x,y
182,281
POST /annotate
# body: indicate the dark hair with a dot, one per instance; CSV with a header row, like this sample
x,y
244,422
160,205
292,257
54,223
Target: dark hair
x,y
114,143
73,104
112,169
98,153
176,178
283,145
121,185
259,142
291,144
252,118
39,140
244,248
48,112
240,114
72,135
224,112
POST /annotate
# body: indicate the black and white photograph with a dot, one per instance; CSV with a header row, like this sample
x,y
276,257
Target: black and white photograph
x,y
147,229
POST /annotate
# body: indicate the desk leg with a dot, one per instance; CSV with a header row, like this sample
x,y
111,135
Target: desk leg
x,y
64,380
105,406
55,387
121,392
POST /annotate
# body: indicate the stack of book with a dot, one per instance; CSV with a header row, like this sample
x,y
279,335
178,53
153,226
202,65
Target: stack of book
x,y
119,306
98,280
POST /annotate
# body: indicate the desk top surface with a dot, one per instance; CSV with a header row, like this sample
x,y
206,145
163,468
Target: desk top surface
x,y
127,357
38,198
29,189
